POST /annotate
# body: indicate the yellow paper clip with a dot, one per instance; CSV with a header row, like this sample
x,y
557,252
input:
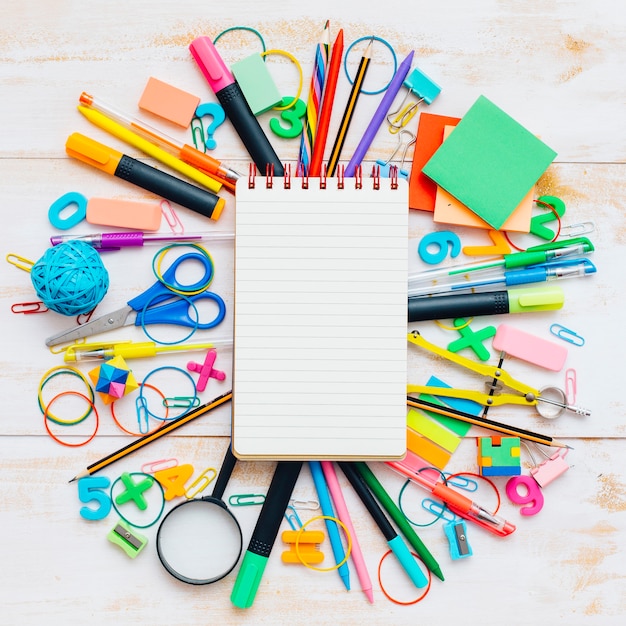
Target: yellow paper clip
x,y
20,262
402,117
201,483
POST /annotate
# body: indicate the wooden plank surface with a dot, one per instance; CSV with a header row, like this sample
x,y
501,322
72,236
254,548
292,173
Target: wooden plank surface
x,y
555,66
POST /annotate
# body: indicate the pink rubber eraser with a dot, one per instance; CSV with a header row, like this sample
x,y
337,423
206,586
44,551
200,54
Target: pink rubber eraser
x,y
124,213
168,102
530,348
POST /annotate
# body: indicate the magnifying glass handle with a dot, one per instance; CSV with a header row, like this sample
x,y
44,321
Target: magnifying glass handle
x,y
228,464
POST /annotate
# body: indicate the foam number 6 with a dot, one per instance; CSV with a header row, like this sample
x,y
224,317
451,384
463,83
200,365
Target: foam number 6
x,y
439,240
537,227
90,489
292,116
531,494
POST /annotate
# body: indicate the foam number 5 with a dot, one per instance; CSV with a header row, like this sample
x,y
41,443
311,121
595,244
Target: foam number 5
x,y
537,223
531,494
440,241
292,116
90,488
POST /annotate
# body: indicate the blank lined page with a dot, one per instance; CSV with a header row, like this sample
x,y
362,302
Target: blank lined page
x,y
320,351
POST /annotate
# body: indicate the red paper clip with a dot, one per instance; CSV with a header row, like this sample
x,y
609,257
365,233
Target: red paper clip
x,y
29,307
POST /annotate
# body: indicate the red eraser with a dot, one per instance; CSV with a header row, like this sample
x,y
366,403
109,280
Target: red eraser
x,y
529,348
124,213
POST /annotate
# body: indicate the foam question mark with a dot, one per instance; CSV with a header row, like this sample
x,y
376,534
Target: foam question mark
x,y
217,113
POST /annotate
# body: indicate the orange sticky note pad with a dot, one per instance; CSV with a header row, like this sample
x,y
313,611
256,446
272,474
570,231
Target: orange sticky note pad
x,y
124,213
169,102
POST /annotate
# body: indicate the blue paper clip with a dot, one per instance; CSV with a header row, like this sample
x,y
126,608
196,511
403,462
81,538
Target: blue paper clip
x,y
462,482
567,335
293,518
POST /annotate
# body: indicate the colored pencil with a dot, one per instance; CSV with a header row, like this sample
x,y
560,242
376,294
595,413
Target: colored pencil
x,y
314,100
350,106
327,106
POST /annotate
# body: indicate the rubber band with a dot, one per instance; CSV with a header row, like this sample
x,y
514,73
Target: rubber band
x,y
394,600
159,369
299,68
57,371
556,217
247,28
393,55
348,548
92,408
194,328
160,255
130,432
491,483
465,325
154,480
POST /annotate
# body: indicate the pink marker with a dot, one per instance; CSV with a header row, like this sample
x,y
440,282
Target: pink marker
x,y
342,511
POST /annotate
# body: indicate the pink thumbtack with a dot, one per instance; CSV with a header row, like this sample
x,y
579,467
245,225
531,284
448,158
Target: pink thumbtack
x,y
206,370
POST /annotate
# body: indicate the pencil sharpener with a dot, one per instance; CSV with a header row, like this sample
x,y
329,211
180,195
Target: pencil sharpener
x,y
456,532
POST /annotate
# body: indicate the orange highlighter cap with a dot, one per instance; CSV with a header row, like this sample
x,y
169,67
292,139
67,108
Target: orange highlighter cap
x,y
92,152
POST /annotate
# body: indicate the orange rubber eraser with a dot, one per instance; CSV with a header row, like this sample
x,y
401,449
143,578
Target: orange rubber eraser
x,y
124,213
169,102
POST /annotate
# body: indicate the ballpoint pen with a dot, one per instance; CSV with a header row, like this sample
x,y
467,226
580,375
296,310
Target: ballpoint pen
x,y
133,139
532,256
458,503
264,534
230,96
398,517
394,541
121,165
552,270
132,350
518,300
183,151
327,509
124,239
379,115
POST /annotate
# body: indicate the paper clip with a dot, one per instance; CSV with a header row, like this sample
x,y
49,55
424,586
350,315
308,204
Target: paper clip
x,y
197,134
402,117
305,505
29,307
293,518
161,464
567,335
142,414
202,482
171,217
570,385
20,262
246,499
83,318
185,402
462,482
576,230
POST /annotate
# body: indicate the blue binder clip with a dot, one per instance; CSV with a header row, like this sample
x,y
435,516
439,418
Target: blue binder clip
x,y
422,86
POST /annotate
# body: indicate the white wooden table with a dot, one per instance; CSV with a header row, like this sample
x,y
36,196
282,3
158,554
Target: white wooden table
x,y
556,67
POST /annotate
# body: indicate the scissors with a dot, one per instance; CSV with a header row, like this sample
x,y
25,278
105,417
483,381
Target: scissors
x,y
526,395
142,310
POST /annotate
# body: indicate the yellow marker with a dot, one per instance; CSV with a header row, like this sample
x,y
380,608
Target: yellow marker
x,y
132,139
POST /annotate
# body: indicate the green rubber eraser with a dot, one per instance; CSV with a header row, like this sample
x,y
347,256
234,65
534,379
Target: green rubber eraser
x,y
257,83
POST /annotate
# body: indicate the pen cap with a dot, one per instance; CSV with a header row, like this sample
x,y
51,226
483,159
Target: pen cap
x,y
92,152
211,63
248,580
526,299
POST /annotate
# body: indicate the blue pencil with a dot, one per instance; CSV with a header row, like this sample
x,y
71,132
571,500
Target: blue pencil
x,y
327,509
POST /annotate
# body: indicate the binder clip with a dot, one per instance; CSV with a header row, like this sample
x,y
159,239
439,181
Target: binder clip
x,y
455,529
308,546
404,145
550,469
127,538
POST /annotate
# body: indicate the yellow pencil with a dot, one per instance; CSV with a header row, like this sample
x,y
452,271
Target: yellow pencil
x,y
132,139
145,440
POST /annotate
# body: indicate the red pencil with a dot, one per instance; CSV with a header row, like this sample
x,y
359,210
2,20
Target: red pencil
x,y
327,106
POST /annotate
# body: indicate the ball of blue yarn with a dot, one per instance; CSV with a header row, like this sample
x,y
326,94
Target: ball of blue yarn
x,y
70,278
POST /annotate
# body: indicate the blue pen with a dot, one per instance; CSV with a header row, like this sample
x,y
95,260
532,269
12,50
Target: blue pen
x,y
553,270
327,509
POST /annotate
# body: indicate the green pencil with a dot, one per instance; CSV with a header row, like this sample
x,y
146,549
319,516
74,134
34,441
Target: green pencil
x,y
396,514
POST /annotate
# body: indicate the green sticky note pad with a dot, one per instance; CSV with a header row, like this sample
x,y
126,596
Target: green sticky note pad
x,y
256,83
489,162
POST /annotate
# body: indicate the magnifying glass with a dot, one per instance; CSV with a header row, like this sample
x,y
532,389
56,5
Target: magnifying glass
x,y
552,401
200,541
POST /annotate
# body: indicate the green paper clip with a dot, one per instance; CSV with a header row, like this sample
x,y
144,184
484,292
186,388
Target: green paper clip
x,y
246,499
127,538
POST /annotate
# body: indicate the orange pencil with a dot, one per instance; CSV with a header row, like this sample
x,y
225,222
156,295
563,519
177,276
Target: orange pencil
x,y
327,106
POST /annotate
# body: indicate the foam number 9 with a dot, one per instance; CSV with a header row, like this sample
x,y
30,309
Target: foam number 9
x,y
440,240
531,494
292,116
90,488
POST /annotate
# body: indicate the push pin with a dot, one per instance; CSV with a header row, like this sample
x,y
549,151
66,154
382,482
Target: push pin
x,y
128,539
206,370
308,546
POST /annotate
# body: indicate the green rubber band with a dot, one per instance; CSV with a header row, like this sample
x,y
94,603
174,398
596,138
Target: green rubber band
x,y
125,519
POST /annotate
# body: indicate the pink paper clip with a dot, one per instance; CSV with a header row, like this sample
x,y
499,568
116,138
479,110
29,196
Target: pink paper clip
x,y
161,464
570,385
29,307
171,217
550,469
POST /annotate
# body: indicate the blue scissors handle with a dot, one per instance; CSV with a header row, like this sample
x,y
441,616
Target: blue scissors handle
x,y
177,312
160,290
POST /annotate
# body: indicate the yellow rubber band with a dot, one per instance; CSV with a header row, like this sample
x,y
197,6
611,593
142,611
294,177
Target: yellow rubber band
x,y
323,569
469,321
298,66
59,370
159,260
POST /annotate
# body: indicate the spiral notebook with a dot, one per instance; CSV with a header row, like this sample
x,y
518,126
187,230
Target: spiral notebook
x,y
320,351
